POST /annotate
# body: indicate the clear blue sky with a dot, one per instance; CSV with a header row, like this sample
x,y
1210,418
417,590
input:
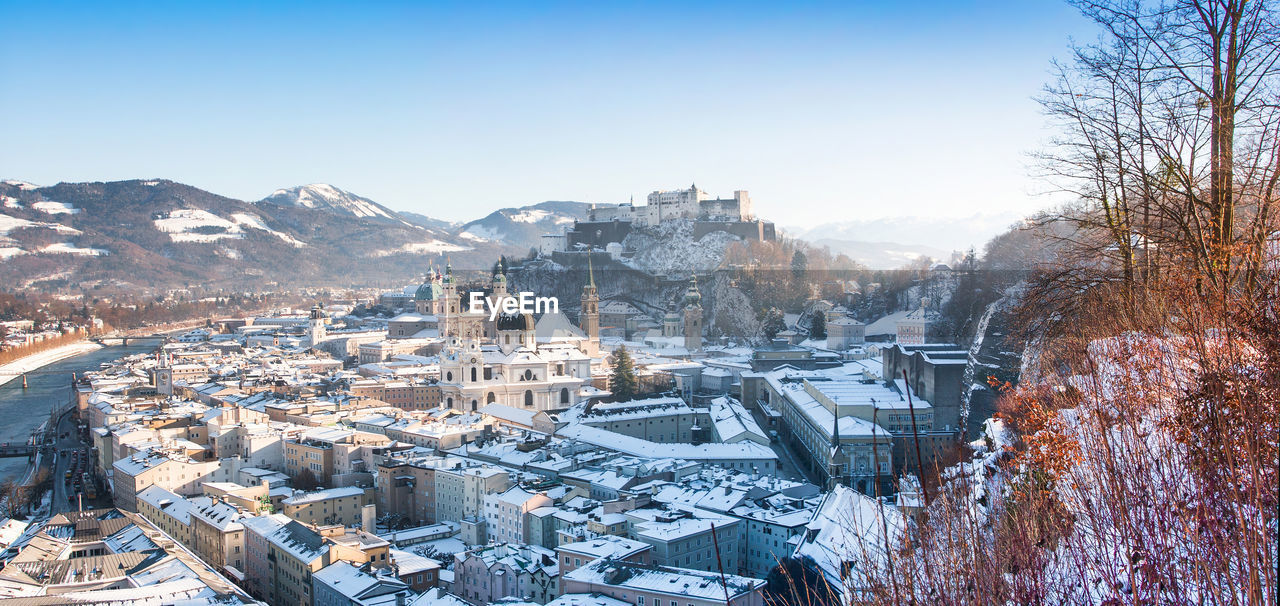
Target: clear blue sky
x,y
824,112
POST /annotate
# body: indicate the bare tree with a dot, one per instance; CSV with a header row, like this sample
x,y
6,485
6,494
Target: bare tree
x,y
1168,141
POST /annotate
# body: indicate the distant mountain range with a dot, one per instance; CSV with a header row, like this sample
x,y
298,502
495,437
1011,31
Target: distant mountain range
x,y
161,234
323,196
525,224
892,242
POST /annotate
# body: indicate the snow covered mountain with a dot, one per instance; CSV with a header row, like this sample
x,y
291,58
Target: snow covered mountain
x,y
523,227
883,255
160,234
937,233
322,196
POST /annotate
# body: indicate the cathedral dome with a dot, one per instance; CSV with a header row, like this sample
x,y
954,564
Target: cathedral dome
x,y
429,291
515,322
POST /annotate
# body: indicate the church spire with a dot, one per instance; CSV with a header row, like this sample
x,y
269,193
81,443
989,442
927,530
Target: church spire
x,y
835,434
591,274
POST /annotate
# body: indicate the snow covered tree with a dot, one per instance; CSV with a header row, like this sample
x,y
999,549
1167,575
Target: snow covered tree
x,y
799,264
774,323
731,313
623,383
818,325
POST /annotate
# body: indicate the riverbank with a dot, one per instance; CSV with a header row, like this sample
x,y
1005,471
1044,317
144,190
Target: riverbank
x,y
13,370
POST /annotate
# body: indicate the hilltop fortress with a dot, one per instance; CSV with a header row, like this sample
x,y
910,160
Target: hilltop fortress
x,y
608,223
692,203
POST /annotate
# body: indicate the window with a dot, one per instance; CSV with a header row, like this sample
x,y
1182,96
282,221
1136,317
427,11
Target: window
x,y
528,398
564,395
640,600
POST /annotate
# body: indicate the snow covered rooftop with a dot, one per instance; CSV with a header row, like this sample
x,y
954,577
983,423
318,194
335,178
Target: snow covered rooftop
x,y
677,582
322,495
744,451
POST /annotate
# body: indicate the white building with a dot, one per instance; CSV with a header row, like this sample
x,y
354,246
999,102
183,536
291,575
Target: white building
x,y
845,333
505,513
515,372
669,205
913,329
460,491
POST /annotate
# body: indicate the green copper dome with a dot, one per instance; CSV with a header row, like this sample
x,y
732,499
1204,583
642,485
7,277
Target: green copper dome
x,y
429,291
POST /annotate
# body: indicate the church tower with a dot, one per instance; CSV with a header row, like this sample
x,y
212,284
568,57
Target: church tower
x,y
500,282
693,316
589,316
428,299
498,290
449,292
315,325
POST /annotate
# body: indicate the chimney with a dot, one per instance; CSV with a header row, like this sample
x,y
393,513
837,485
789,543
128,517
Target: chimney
x,y
368,517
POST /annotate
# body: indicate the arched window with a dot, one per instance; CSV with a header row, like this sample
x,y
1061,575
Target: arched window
x,y
473,374
564,395
449,402
473,405
528,399
489,398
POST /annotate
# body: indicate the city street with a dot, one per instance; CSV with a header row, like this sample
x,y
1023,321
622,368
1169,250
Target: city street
x,y
62,462
788,466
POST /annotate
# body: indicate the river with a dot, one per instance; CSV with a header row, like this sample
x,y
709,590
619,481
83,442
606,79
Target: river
x,y
23,410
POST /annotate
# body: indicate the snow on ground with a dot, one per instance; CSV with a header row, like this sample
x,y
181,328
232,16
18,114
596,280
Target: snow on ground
x,y
14,369
69,248
10,251
323,195
21,184
55,208
480,234
430,247
671,249
255,222
438,547
11,202
185,225
181,225
8,224
252,221
529,216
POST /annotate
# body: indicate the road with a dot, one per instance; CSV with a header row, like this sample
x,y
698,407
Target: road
x,y
67,441
788,466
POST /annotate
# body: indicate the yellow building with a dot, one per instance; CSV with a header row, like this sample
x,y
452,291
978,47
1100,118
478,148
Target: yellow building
x,y
326,507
